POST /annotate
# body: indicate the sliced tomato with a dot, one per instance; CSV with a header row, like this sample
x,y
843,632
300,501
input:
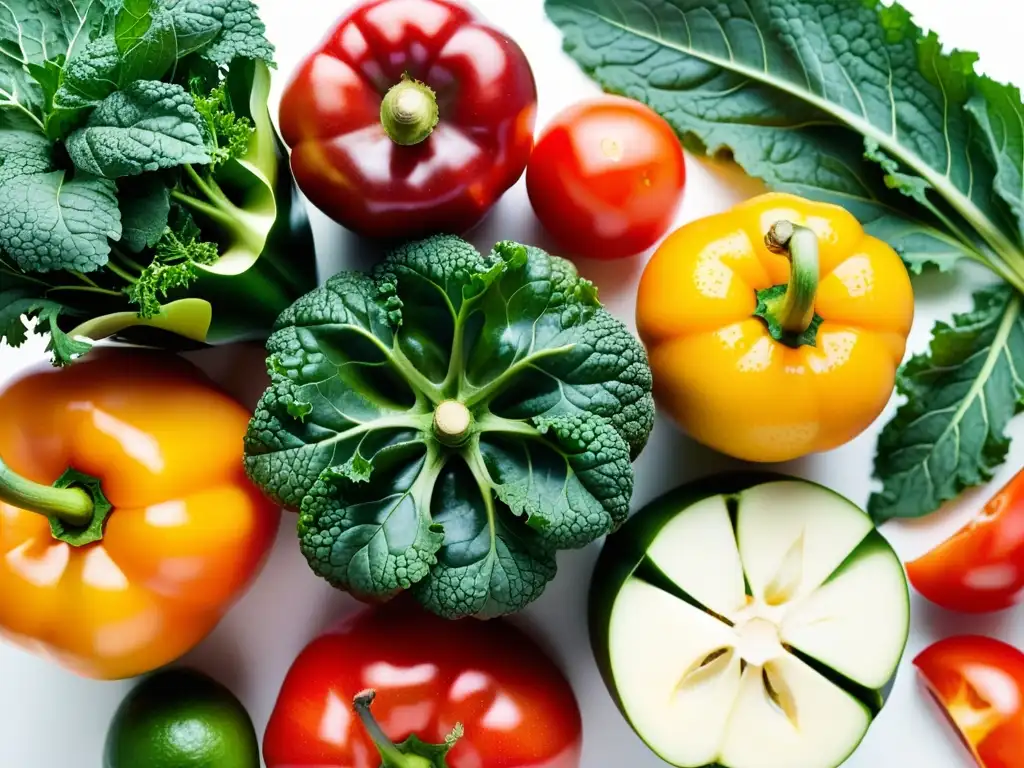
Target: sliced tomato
x,y
981,567
979,682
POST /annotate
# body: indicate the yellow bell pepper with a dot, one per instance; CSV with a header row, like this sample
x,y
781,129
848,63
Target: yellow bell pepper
x,y
775,329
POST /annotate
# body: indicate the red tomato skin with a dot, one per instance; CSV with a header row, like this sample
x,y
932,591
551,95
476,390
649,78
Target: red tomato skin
x,y
516,707
345,163
606,178
980,568
979,682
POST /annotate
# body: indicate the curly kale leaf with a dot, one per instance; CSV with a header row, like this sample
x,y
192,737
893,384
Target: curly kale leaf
x,y
49,221
148,126
572,487
227,134
16,306
180,250
548,347
552,392
327,395
366,527
221,30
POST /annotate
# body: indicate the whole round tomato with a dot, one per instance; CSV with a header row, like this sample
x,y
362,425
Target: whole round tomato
x,y
429,675
979,682
981,567
606,178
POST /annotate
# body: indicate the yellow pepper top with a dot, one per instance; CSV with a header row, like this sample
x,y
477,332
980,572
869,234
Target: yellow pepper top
x,y
764,362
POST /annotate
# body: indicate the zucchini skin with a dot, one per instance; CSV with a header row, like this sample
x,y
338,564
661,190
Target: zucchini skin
x,y
624,554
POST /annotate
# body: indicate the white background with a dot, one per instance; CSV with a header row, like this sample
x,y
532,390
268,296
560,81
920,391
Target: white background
x,y
52,719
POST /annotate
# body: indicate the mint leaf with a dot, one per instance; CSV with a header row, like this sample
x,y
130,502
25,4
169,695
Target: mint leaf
x,y
47,220
148,126
950,434
145,206
800,93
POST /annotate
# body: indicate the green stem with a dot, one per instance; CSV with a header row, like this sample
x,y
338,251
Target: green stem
x,y
795,311
390,754
23,276
86,289
217,213
492,388
84,279
72,505
123,274
127,260
408,112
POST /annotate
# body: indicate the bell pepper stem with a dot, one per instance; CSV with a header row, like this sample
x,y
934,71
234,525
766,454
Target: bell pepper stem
x,y
390,754
73,506
408,112
795,311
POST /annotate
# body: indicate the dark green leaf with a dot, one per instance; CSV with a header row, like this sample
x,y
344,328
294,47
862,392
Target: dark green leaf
x,y
365,525
133,21
1000,114
15,303
148,126
233,26
950,434
47,220
145,206
800,93
491,563
572,483
346,431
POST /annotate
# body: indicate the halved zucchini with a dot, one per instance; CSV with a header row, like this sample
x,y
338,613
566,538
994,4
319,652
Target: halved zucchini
x,y
749,621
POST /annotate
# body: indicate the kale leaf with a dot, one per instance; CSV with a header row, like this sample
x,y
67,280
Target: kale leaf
x,y
49,221
354,431
148,126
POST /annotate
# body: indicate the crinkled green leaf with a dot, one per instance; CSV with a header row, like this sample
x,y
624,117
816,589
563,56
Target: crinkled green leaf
x,y
345,432
806,96
235,27
145,204
148,126
572,487
950,434
365,526
998,110
47,220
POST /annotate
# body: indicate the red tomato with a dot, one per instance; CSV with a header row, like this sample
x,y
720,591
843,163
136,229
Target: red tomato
x,y
606,178
516,707
981,567
979,682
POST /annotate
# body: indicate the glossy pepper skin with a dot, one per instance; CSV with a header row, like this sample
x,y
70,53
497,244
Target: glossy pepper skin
x,y
719,372
187,533
349,167
515,706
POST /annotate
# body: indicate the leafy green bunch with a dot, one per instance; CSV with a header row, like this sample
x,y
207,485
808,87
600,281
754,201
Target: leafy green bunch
x,y
849,102
137,163
449,422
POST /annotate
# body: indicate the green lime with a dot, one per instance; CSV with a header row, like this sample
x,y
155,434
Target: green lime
x,y
180,718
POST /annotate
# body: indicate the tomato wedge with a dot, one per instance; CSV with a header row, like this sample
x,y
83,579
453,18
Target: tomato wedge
x,y
979,682
981,567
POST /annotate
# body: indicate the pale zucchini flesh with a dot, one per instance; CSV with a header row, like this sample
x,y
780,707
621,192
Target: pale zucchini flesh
x,y
755,628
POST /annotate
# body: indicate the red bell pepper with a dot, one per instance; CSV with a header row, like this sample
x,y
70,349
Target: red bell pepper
x,y
483,692
412,117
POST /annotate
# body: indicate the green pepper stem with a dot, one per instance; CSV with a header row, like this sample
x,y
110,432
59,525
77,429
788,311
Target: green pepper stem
x,y
72,505
390,754
408,112
795,311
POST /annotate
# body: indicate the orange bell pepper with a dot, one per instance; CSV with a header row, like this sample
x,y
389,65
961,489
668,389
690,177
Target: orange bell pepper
x,y
148,529
764,361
